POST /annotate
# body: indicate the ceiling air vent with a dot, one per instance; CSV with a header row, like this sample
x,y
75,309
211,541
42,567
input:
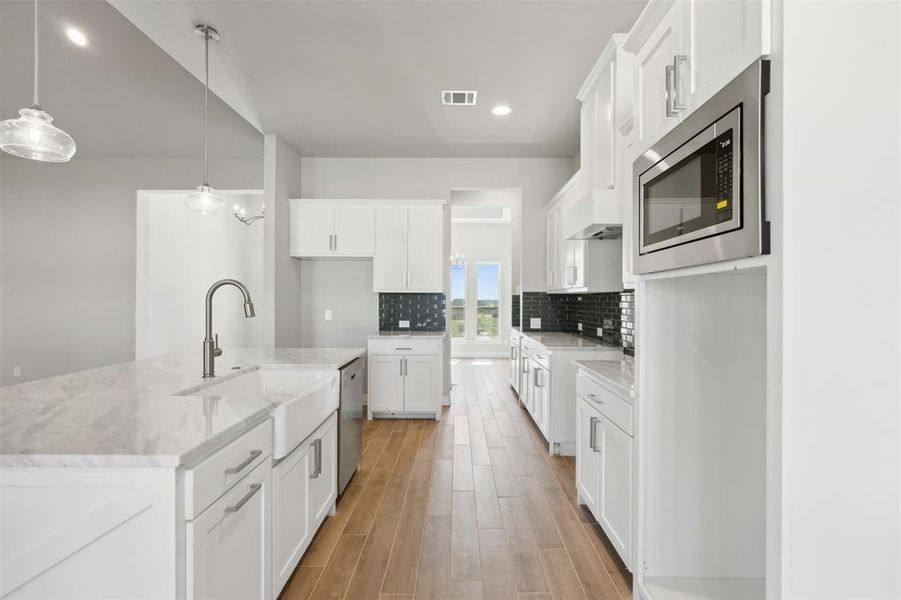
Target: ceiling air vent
x,y
458,97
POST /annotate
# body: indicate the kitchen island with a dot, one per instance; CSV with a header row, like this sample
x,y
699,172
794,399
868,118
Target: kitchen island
x,y
133,481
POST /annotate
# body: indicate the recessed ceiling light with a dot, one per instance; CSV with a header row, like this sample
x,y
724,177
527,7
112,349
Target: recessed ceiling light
x,y
76,37
501,110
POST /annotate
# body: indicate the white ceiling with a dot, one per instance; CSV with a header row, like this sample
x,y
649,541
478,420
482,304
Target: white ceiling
x,y
121,96
341,78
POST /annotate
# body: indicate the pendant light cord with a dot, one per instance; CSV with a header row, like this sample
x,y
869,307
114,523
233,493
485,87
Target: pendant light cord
x,y
36,104
206,106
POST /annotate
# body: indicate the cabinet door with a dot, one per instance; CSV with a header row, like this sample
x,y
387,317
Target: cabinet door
x,y
603,163
322,459
514,368
588,466
541,399
421,383
588,122
312,226
615,499
525,384
425,251
228,546
722,39
389,265
658,51
291,529
354,230
576,262
386,383
564,247
552,250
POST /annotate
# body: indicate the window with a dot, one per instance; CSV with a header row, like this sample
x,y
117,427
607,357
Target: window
x,y
488,285
457,322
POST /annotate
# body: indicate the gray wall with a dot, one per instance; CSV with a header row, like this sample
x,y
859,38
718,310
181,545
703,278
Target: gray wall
x,y
367,178
67,256
343,286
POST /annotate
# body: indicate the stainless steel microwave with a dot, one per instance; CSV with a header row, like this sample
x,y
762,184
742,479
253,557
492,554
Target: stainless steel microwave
x,y
698,192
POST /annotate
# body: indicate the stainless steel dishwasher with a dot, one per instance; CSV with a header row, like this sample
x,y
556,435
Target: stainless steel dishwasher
x,y
350,421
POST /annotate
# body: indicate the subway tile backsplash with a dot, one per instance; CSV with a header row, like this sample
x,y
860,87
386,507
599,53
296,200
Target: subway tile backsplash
x,y
426,312
614,312
514,310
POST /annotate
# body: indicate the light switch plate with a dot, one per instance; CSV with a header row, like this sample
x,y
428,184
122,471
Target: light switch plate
x,y
403,324
535,323
328,314
600,332
579,325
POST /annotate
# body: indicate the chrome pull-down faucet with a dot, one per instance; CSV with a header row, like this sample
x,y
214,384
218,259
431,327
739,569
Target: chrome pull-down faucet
x,y
211,347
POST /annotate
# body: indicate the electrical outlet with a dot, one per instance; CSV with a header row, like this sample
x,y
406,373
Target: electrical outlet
x,y
17,371
535,323
403,324
600,332
328,314
579,325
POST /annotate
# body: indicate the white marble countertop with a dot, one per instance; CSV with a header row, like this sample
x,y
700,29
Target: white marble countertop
x,y
129,414
619,374
402,333
559,340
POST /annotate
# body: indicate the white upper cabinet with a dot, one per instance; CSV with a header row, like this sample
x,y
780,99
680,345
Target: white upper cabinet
x,y
688,50
409,249
322,228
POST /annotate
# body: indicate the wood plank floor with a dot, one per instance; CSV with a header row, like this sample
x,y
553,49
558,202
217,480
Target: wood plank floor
x,y
472,506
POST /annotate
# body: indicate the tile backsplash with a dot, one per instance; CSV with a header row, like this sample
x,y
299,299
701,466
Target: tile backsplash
x,y
514,310
614,312
425,312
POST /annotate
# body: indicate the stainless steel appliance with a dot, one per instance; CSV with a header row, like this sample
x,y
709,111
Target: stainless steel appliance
x,y
350,421
698,194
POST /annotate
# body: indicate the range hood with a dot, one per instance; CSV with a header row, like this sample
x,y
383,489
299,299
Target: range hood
x,y
599,231
597,214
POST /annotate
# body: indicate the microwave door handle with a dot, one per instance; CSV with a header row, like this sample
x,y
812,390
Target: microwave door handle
x,y
670,91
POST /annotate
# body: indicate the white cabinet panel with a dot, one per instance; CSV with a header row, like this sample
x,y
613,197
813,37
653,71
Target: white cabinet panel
x,y
291,527
421,383
390,261
541,398
323,468
725,38
515,366
553,249
229,545
604,130
588,466
354,230
655,55
386,383
615,507
424,249
312,226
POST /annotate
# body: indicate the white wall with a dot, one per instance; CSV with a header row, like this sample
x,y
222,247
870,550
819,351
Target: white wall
x,y
67,256
538,178
839,70
480,242
180,254
281,273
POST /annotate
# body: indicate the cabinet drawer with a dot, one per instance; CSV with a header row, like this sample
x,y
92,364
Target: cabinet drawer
x,y
405,345
216,475
611,406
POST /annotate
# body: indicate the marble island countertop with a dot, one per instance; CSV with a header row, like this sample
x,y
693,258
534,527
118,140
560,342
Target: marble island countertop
x,y
619,374
561,340
132,414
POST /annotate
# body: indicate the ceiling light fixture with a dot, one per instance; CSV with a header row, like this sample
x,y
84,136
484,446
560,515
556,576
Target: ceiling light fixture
x,y
205,200
501,110
76,37
33,135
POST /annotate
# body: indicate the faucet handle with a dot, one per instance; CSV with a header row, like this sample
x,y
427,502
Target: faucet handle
x,y
217,351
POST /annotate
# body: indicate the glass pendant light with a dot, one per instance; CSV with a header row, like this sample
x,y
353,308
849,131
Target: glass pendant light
x,y
205,200
33,135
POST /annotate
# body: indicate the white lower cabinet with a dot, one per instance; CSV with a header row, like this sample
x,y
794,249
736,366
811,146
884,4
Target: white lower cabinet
x,y
405,375
304,490
604,463
229,546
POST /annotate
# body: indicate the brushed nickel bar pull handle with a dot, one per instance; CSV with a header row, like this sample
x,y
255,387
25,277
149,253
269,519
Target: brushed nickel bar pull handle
x,y
670,91
678,99
593,436
254,488
317,459
253,456
404,348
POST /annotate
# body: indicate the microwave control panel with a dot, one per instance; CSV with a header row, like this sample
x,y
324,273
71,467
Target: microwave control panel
x,y
724,167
